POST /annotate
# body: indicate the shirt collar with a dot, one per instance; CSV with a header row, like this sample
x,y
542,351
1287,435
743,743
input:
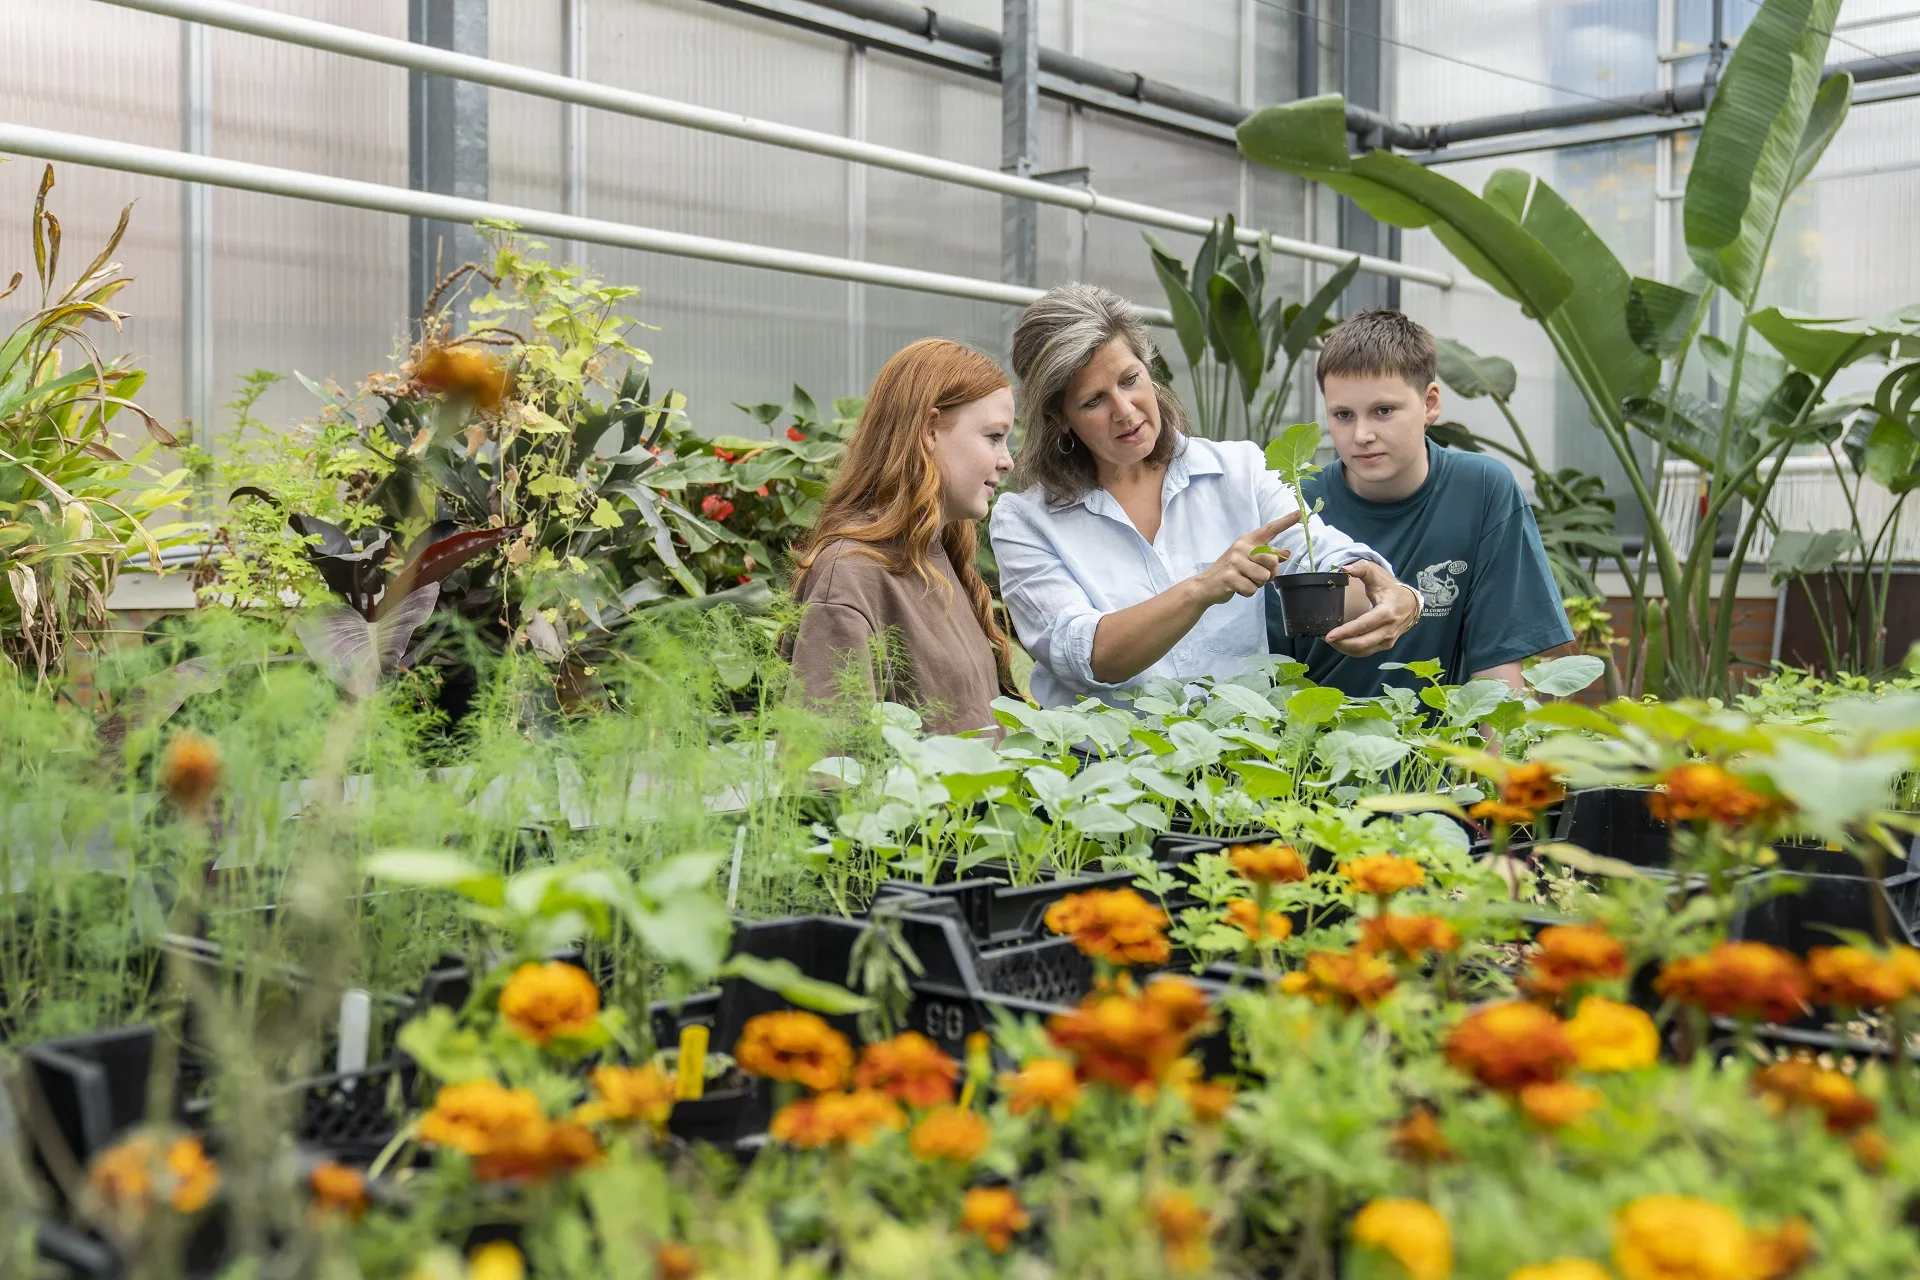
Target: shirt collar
x,y
1192,460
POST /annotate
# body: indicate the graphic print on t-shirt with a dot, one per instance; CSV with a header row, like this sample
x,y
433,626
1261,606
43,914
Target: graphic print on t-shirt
x,y
1437,588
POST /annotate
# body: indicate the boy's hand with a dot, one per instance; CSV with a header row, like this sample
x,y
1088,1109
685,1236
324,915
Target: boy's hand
x,y
1393,606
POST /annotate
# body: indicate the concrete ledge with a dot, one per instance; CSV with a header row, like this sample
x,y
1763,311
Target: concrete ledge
x,y
150,591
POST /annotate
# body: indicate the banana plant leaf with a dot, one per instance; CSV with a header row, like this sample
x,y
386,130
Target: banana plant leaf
x,y
1769,120
1660,316
1471,376
1303,325
1189,313
1822,347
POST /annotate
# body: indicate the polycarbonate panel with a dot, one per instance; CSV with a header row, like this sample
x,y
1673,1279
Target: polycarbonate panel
x,y
1458,61
526,162
107,73
1194,45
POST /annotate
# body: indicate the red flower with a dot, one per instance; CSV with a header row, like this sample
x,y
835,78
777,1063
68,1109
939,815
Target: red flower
x,y
795,434
715,507
725,455
761,492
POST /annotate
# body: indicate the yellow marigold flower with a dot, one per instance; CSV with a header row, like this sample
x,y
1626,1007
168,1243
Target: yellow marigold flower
x,y
544,1002
338,1189
1905,961
1610,1036
1782,1251
195,1176
1799,1082
1244,915
1418,1139
1347,979
1532,786
496,1260
123,1177
837,1119
995,1215
910,1067
794,1045
1208,1101
1383,874
1556,1103
950,1133
1043,1082
1514,815
464,370
1708,793
1739,979
1563,1269
1408,936
1183,1226
1270,863
190,771
1115,925
630,1093
673,1260
1567,954
1411,1232
1511,1045
1681,1238
471,1117
1854,978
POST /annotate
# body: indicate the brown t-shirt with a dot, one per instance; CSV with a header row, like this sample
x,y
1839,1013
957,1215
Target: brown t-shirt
x,y
938,661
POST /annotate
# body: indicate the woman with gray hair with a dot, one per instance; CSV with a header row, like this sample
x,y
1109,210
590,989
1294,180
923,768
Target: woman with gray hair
x,y
1128,548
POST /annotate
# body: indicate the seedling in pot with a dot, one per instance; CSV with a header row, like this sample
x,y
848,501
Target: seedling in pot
x,y
1313,601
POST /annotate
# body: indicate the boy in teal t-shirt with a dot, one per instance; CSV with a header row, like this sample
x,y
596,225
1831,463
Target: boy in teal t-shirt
x,y
1455,524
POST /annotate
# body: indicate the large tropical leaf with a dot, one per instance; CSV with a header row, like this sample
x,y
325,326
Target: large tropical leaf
x,y
1470,375
1768,122
1309,138
1823,347
1237,328
1661,316
1189,324
1304,325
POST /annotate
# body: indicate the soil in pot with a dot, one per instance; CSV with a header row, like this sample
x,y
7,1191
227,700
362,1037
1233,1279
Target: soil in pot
x,y
1312,603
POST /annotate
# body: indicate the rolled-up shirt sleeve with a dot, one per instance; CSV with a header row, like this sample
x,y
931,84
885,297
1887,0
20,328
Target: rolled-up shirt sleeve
x,y
1332,549
1051,611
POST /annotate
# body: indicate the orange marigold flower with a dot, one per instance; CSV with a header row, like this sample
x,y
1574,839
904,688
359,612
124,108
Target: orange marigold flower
x,y
1610,1036
545,1002
1567,954
1127,1040
835,1119
1043,1082
1208,1101
1741,979
1408,936
1871,1149
1270,863
1854,978
675,1260
1348,979
497,1260
950,1133
1781,1251
1707,793
1514,815
910,1067
1534,785
190,770
1556,1103
1905,961
995,1215
534,1151
1803,1083
1115,925
794,1045
1511,1045
1183,1226
1563,1269
1680,1238
471,1117
1244,915
1411,1232
1383,874
123,1176
463,370
1182,1003
630,1093
337,1189
1418,1139
195,1176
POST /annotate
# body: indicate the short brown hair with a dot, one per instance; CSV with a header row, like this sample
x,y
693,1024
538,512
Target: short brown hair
x,y
1375,342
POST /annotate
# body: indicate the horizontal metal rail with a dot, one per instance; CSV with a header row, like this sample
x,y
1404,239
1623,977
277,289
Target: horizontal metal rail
x,y
231,16
73,148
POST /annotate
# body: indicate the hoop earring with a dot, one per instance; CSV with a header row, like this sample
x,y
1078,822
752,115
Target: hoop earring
x,y
1066,443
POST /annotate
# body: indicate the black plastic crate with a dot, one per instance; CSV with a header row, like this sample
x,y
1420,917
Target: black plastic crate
x,y
994,912
1617,823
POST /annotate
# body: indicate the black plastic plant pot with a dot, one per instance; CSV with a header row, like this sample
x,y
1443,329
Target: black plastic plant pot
x,y
1312,603
718,1117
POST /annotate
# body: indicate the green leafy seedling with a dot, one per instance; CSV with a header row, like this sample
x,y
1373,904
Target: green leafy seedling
x,y
1292,456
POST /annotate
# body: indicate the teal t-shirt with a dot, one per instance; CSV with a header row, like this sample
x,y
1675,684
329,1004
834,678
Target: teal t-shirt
x,y
1466,539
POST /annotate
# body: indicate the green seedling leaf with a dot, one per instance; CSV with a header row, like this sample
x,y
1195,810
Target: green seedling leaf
x,y
1572,855
433,869
784,979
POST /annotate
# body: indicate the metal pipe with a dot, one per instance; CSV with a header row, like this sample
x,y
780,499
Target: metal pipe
x,y
127,157
545,84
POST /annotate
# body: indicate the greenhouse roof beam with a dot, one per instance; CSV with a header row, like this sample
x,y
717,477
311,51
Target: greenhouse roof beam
x,y
231,16
127,157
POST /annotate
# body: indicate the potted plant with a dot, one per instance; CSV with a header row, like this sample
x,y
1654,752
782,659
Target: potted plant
x,y
1314,602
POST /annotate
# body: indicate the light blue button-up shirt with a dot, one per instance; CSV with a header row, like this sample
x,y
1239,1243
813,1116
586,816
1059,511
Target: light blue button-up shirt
x,y
1064,568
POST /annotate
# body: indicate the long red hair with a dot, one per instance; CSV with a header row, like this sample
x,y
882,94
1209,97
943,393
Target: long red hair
x,y
886,497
